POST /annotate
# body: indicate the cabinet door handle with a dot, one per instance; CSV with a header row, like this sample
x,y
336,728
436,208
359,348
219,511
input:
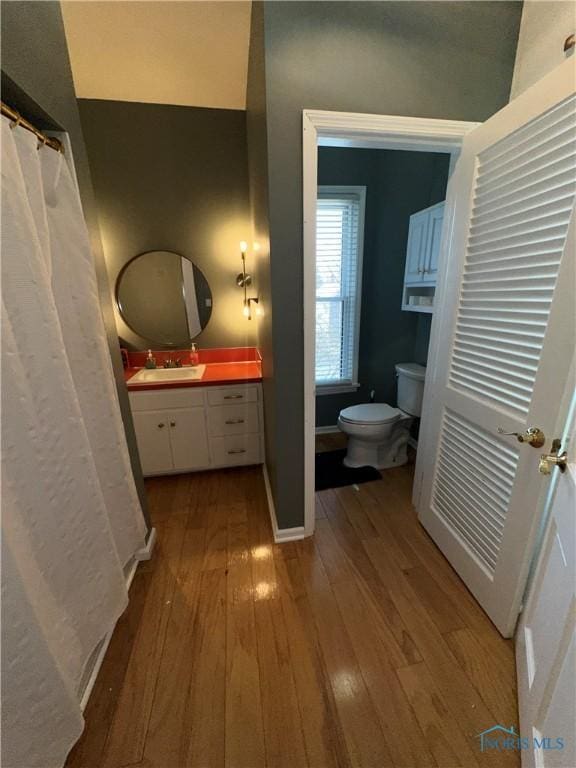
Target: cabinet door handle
x,y
233,397
160,426
240,450
234,421
172,423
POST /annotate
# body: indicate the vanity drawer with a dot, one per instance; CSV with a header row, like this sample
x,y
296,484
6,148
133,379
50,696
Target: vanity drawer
x,y
231,395
233,419
166,398
235,449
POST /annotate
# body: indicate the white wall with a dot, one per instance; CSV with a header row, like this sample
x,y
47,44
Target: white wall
x,y
544,27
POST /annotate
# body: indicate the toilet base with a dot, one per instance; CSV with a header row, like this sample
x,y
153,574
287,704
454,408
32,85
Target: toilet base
x,y
364,453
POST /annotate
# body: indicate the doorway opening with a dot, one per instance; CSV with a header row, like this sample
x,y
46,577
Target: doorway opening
x,y
338,222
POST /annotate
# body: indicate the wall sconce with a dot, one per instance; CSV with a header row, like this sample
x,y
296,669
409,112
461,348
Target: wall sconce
x,y
243,280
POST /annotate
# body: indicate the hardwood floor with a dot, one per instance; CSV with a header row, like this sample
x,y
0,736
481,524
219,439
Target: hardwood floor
x,y
359,647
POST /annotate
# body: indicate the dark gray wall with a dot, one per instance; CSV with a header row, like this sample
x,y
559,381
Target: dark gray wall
x,y
174,178
426,59
422,341
397,185
256,128
35,59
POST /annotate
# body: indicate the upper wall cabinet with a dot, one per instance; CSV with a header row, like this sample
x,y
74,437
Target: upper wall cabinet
x,y
417,236
424,236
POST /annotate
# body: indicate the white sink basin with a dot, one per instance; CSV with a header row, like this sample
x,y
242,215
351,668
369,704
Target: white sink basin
x,y
155,375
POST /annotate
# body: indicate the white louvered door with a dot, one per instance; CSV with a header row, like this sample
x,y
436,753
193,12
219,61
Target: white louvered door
x,y
502,341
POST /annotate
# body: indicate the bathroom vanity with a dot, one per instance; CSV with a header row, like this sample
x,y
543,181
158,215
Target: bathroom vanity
x,y
189,414
188,425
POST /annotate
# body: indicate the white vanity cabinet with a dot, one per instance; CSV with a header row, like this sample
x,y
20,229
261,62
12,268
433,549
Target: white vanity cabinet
x,y
194,428
423,249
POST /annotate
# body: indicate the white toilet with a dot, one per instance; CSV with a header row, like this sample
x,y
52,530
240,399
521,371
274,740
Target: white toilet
x,y
378,433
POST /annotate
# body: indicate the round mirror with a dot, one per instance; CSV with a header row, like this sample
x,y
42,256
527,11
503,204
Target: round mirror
x,y
164,298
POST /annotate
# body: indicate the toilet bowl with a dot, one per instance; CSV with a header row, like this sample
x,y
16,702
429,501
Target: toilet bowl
x,y
378,433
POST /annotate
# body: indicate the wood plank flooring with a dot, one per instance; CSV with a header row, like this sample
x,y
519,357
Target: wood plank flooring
x,y
359,647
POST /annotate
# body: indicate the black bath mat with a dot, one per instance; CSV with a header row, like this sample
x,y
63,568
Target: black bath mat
x,y
331,472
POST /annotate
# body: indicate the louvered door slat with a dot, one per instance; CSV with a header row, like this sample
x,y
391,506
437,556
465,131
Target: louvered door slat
x,y
522,273
515,308
539,204
467,533
541,234
529,173
475,502
488,453
478,332
478,481
516,255
466,495
455,491
554,185
521,328
513,356
530,220
531,148
546,124
530,200
520,167
497,365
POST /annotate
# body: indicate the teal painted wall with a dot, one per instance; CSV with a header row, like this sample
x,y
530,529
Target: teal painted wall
x,y
451,60
257,145
397,185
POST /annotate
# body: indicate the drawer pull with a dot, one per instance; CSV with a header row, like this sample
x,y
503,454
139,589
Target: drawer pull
x,y
233,397
240,450
234,421
172,423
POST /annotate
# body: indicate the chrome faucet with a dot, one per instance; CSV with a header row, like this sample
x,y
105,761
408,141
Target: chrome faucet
x,y
177,363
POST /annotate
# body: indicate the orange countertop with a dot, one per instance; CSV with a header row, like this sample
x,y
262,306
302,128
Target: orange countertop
x,y
215,374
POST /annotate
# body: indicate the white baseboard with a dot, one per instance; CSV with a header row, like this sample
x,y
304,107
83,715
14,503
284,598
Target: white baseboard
x,y
330,430
146,552
105,643
281,535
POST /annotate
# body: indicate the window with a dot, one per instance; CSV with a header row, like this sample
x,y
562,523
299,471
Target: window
x,y
339,243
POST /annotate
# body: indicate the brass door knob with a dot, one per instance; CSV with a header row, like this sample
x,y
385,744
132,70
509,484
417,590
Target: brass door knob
x,y
553,459
533,436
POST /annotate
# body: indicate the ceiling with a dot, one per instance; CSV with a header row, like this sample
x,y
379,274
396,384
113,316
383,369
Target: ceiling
x,y
190,53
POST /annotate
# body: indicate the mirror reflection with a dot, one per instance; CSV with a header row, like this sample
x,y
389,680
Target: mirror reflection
x,y
164,298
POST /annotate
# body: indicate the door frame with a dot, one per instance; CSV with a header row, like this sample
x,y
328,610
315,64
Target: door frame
x,y
355,130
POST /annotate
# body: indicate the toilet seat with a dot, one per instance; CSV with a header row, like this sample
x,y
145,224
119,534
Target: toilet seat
x,y
370,414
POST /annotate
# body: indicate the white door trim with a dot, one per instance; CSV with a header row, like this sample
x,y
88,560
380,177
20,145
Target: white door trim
x,y
350,129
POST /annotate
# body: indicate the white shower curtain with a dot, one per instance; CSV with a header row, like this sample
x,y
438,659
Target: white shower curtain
x,y
71,518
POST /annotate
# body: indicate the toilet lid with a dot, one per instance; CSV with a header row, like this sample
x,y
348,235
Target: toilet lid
x,y
370,413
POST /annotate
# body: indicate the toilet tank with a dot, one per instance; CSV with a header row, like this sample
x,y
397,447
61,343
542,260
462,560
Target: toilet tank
x,y
410,387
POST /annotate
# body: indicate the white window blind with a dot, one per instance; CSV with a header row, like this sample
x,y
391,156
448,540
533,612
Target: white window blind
x,y
339,235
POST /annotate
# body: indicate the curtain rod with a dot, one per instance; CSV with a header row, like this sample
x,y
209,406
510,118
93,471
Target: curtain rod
x,y
17,119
